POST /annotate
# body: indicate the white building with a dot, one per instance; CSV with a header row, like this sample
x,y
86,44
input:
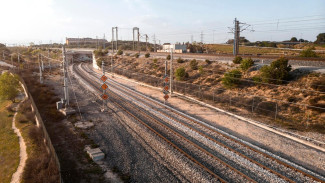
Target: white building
x,y
177,48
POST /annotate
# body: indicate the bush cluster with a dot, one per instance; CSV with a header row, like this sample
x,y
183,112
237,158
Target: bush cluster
x,y
277,71
246,64
168,57
147,55
237,60
180,60
181,74
119,52
194,64
232,78
308,53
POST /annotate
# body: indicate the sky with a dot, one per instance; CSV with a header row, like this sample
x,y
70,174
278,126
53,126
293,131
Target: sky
x,y
45,21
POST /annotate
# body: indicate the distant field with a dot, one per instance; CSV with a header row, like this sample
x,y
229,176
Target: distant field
x,y
228,49
9,145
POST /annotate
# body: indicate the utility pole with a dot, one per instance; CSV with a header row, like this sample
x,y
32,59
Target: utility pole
x,y
48,56
116,38
139,48
40,70
42,63
154,39
104,101
146,42
236,37
65,79
171,72
236,31
112,40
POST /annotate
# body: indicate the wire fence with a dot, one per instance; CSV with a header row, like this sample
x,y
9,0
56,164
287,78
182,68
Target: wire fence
x,y
242,103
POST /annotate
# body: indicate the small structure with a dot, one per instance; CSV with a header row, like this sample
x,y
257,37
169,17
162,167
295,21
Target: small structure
x,y
177,48
95,154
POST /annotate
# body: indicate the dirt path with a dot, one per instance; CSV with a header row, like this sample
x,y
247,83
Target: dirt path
x,y
23,154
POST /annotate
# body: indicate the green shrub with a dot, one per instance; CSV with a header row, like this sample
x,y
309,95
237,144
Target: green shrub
x,y
201,70
99,62
136,55
119,52
147,55
308,53
155,60
232,78
194,64
8,86
246,64
168,57
277,71
180,73
237,60
99,52
207,61
180,60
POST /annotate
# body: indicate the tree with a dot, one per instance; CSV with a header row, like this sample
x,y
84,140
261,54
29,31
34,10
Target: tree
x,y
8,86
180,73
320,38
246,64
237,60
194,64
232,78
99,62
293,39
276,72
308,53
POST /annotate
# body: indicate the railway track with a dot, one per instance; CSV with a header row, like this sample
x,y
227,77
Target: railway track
x,y
206,140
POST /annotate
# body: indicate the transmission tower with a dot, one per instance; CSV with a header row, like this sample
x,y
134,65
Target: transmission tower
x,y
239,27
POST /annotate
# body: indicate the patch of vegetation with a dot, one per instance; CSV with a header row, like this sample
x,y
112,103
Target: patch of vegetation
x,y
181,74
180,60
201,70
119,52
308,53
8,86
207,61
237,60
319,84
136,55
232,78
194,64
147,55
168,57
276,72
9,146
99,62
246,64
100,52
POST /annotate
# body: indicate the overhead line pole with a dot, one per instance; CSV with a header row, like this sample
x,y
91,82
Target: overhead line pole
x,y
171,72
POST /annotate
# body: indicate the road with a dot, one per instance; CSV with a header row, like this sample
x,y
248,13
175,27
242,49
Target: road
x,y
190,148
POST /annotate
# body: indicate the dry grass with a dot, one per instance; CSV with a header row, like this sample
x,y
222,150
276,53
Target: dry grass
x,y
40,166
9,145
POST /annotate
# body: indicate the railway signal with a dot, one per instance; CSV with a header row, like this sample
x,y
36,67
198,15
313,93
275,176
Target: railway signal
x,y
104,86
